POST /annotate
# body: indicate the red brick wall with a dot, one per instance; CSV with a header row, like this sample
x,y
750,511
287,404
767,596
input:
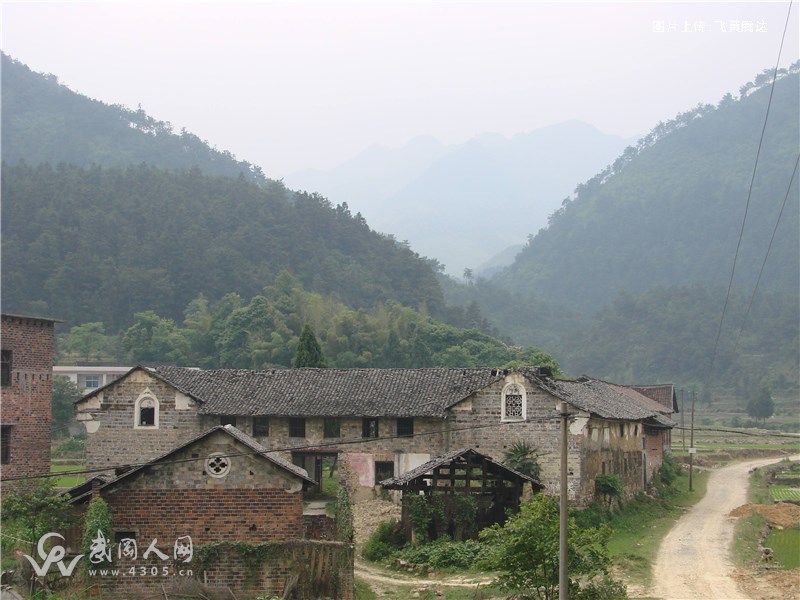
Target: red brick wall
x,y
208,515
25,403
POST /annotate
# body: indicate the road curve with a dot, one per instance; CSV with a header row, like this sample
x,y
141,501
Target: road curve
x,y
693,561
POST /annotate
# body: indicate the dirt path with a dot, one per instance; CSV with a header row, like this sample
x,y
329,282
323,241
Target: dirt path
x,y
693,562
382,581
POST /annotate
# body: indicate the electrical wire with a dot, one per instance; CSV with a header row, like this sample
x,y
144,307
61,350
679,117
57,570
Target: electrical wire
x,y
749,194
766,256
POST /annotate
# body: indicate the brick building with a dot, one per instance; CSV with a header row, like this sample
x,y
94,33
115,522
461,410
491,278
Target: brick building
x,y
26,395
219,491
384,421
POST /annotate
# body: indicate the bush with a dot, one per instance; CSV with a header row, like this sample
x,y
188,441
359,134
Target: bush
x,y
610,487
385,541
442,554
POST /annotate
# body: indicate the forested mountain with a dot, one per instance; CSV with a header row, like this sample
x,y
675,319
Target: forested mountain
x,y
466,203
101,244
670,211
45,122
638,262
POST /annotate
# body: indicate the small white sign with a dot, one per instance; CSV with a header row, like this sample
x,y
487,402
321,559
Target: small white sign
x,y
692,450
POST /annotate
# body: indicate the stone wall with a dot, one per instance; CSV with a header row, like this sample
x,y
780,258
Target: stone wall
x,y
113,438
26,402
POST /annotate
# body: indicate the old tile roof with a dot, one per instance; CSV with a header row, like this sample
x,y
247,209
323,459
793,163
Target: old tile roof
x,y
664,394
640,398
328,392
601,399
448,457
228,429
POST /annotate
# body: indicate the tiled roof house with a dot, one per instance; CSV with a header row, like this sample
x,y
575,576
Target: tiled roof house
x,y
384,421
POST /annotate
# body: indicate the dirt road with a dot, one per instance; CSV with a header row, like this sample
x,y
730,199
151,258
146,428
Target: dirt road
x,y
693,562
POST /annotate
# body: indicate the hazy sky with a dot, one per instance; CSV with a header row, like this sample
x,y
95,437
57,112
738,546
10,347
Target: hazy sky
x,y
298,85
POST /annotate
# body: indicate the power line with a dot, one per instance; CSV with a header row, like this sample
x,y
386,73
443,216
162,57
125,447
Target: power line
x,y
749,194
766,256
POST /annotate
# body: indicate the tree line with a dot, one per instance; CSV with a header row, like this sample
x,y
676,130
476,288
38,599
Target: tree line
x,y
266,330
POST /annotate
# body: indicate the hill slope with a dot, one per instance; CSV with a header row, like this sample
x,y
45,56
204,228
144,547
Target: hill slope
x,y
101,244
670,213
44,122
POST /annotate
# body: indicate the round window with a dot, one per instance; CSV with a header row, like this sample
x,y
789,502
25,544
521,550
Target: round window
x,y
218,465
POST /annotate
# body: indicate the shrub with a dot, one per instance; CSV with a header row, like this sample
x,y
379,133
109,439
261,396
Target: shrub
x,y
97,536
385,541
609,487
442,553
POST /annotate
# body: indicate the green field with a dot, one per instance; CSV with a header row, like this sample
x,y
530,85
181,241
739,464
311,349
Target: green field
x,y
67,481
782,493
785,543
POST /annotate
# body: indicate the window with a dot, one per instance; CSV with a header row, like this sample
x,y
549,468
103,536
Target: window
x,y
383,470
146,411
218,465
261,426
297,427
331,428
514,403
5,368
227,420
91,381
405,426
622,430
369,427
5,444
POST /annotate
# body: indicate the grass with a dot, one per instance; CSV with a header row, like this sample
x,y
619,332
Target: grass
x,y
67,481
785,543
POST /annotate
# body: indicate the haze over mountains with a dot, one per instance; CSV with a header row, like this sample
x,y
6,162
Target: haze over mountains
x,y
626,282
464,204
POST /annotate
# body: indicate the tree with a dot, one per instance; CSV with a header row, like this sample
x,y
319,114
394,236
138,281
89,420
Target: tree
x,y
525,551
309,352
524,458
89,341
761,406
65,394
29,515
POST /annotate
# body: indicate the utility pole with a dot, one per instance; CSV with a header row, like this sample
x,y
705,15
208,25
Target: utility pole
x,y
691,442
683,418
563,580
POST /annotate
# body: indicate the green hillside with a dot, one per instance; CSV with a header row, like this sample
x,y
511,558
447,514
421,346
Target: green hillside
x,y
670,211
45,122
629,280
102,244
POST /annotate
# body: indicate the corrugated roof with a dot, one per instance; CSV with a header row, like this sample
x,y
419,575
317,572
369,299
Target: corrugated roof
x,y
328,392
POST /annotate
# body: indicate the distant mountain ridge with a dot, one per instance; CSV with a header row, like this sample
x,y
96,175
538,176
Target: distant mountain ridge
x,y
463,204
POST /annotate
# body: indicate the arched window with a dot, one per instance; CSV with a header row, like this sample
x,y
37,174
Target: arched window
x,y
146,413
514,403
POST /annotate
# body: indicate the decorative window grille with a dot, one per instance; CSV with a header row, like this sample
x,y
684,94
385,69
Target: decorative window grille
x,y
218,465
514,402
